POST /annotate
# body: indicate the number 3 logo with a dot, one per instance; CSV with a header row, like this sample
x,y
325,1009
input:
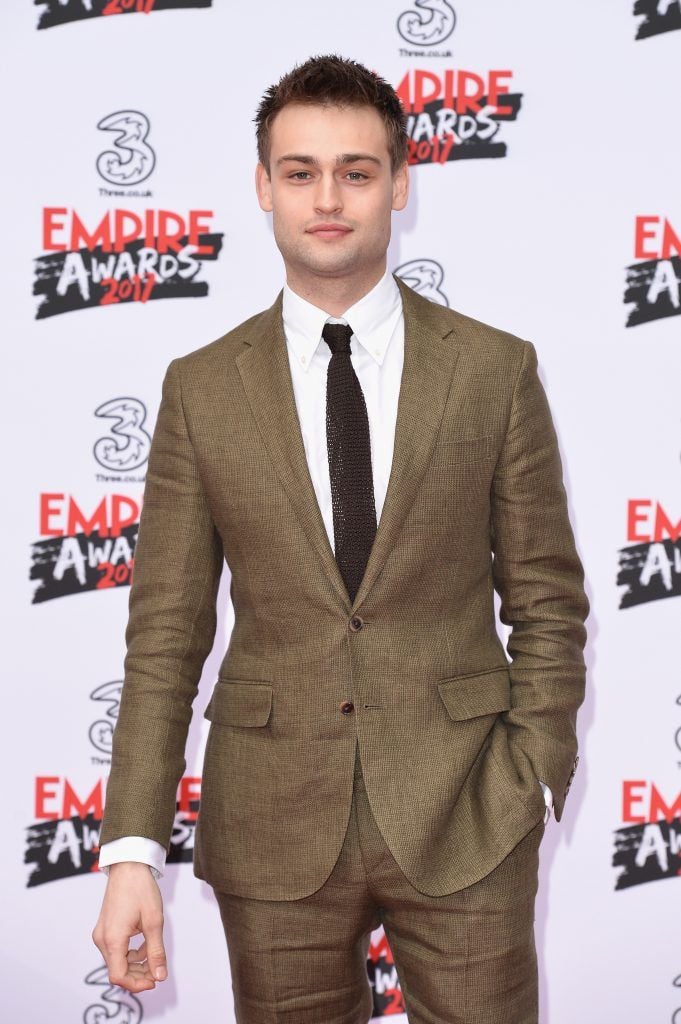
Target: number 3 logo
x,y
133,160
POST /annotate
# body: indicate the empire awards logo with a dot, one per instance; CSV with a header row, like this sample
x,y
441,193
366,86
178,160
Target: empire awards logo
x,y
653,284
650,565
648,843
83,548
122,254
457,114
63,839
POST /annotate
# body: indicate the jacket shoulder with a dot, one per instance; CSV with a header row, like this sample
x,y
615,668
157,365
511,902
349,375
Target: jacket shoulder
x,y
481,337
221,351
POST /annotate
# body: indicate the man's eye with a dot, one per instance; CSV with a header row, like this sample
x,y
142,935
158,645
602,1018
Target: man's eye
x,y
304,175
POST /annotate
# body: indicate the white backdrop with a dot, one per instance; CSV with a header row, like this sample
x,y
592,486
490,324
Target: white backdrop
x,y
540,241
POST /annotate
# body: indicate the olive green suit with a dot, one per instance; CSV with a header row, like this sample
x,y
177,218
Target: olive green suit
x,y
453,738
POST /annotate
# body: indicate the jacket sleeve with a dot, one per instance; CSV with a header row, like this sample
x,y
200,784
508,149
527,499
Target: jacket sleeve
x,y
170,632
539,577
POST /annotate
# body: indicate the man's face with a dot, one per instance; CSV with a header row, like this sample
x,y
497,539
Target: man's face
x,y
330,166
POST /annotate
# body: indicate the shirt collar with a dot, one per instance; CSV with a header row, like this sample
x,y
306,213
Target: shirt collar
x,y
372,318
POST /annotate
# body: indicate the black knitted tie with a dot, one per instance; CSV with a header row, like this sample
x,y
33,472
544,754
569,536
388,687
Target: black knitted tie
x,y
352,484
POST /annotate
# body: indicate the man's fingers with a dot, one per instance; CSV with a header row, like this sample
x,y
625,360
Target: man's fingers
x,y
140,972
121,972
135,983
135,977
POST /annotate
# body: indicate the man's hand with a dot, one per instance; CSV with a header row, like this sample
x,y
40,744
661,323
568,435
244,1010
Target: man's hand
x,y
132,904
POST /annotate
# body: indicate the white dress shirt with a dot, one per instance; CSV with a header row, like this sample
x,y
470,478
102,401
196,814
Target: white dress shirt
x,y
377,355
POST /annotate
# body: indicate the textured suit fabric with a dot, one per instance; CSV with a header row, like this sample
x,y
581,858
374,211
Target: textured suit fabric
x,y
377,357
465,958
453,736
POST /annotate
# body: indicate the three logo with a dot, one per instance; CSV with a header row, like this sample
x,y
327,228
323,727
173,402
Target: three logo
x,y
127,447
133,160
101,731
425,277
432,23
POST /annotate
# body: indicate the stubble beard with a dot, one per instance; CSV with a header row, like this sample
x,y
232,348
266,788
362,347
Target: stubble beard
x,y
346,258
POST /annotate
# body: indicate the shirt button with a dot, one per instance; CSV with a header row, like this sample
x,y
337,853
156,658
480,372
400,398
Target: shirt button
x,y
347,707
356,623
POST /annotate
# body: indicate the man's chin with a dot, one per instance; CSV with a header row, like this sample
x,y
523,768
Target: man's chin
x,y
329,264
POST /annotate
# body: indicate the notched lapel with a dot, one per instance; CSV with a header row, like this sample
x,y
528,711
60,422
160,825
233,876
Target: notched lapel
x,y
430,354
431,351
266,376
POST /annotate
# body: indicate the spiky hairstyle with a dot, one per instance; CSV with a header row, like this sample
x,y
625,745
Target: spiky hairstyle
x,y
332,80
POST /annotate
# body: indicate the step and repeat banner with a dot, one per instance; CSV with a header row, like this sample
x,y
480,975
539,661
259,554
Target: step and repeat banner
x,y
544,152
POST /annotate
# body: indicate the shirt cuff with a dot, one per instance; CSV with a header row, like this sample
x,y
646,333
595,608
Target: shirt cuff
x,y
137,848
548,800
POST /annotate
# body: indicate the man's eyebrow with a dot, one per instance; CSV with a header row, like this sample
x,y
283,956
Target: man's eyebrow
x,y
341,159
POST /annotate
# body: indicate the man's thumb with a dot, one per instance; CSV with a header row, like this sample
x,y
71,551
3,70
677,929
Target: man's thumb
x,y
156,954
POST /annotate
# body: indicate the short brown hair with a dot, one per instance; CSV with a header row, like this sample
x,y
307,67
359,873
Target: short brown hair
x,y
334,81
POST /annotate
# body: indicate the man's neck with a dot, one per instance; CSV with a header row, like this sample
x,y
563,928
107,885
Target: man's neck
x,y
333,294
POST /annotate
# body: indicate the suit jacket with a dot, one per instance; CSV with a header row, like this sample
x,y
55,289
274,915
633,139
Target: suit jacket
x,y
453,737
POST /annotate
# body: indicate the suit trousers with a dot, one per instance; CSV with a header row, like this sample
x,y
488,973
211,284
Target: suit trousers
x,y
468,957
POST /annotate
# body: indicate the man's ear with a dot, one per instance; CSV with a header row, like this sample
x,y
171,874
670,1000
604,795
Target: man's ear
x,y
263,187
401,187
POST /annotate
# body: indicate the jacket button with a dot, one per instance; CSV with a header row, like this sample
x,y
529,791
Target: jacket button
x,y
347,707
356,623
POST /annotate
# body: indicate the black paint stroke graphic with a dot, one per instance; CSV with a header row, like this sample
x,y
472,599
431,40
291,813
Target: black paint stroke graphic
x,y
472,148
78,846
48,270
77,836
639,279
59,13
654,24
660,856
46,553
661,561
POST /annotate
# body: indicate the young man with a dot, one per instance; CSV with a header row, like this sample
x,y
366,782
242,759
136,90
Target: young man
x,y
371,466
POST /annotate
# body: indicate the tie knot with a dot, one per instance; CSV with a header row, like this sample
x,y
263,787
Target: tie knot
x,y
337,336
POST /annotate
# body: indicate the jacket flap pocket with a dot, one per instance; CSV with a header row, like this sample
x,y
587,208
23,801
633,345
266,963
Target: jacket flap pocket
x,y
240,702
482,693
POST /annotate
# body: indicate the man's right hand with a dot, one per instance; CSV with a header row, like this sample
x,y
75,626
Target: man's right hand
x,y
132,905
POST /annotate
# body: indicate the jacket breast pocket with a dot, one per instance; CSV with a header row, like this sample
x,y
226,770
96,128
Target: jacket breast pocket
x,y
240,702
452,450
479,693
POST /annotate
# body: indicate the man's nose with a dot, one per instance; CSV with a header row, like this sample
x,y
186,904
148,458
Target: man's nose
x,y
327,194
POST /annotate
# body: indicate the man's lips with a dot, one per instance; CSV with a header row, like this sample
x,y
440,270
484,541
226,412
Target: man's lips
x,y
329,231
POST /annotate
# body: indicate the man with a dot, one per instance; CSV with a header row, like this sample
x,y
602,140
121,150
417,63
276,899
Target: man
x,y
371,466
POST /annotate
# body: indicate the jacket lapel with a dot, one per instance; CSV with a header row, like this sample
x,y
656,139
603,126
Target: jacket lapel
x,y
429,361
266,376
